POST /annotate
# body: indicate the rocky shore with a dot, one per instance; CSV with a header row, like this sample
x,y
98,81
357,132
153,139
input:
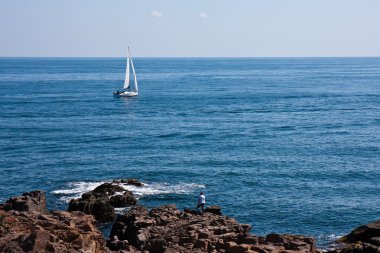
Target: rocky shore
x,y
167,229
26,226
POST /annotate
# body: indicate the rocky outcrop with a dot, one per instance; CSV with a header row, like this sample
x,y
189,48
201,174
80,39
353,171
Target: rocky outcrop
x,y
102,200
57,231
99,207
34,201
25,226
362,239
166,229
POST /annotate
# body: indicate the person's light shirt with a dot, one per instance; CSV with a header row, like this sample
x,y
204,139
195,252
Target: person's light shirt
x,y
202,199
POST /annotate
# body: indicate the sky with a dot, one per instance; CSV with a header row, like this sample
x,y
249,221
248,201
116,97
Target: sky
x,y
189,28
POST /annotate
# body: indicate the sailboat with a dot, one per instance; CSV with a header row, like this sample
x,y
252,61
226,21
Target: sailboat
x,y
128,90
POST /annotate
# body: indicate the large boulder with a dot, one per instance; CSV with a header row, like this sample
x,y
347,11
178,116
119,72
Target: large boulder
x,y
34,201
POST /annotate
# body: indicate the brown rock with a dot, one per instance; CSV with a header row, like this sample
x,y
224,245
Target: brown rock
x,y
36,241
251,239
363,233
130,181
25,232
101,208
108,189
101,201
201,244
124,200
135,182
364,239
275,238
166,229
214,209
374,241
34,201
259,249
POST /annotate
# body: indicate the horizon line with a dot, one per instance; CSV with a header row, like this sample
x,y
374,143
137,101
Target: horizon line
x,y
376,56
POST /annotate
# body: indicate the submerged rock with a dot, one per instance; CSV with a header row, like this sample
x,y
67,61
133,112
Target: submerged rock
x,y
130,181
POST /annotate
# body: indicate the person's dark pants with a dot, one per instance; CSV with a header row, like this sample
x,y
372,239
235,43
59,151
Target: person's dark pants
x,y
201,206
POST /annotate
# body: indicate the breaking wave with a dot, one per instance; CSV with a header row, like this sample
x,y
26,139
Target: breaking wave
x,y
76,189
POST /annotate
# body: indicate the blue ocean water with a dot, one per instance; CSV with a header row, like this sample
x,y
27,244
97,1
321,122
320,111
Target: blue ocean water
x,y
289,145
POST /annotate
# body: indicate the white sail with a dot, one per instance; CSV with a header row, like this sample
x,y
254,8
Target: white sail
x,y
136,88
128,90
126,80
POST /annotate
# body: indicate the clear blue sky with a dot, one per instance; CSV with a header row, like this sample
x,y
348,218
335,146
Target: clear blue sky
x,y
190,27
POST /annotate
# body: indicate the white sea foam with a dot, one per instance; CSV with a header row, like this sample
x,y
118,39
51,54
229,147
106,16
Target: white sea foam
x,y
162,188
329,237
76,189
327,241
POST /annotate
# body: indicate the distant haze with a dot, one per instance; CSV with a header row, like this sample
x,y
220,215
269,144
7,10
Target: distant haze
x,y
192,28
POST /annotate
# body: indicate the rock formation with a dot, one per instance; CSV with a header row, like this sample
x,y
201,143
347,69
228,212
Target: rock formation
x,y
166,229
35,230
26,226
102,200
361,240
34,201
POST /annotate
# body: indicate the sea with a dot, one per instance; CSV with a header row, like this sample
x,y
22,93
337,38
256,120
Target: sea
x,y
288,145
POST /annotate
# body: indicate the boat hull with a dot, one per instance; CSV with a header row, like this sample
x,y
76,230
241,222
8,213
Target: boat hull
x,y
126,94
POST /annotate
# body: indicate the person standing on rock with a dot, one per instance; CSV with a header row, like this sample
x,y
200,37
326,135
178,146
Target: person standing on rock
x,y
201,202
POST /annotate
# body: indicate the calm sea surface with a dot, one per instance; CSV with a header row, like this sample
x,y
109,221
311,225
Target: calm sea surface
x,y
287,145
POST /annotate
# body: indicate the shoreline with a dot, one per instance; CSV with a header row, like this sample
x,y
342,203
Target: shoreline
x,y
161,229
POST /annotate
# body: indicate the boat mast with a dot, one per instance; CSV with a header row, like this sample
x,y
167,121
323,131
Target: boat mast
x,y
126,80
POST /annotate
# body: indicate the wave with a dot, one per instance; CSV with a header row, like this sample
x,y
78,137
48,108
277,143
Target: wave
x,y
326,241
76,189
